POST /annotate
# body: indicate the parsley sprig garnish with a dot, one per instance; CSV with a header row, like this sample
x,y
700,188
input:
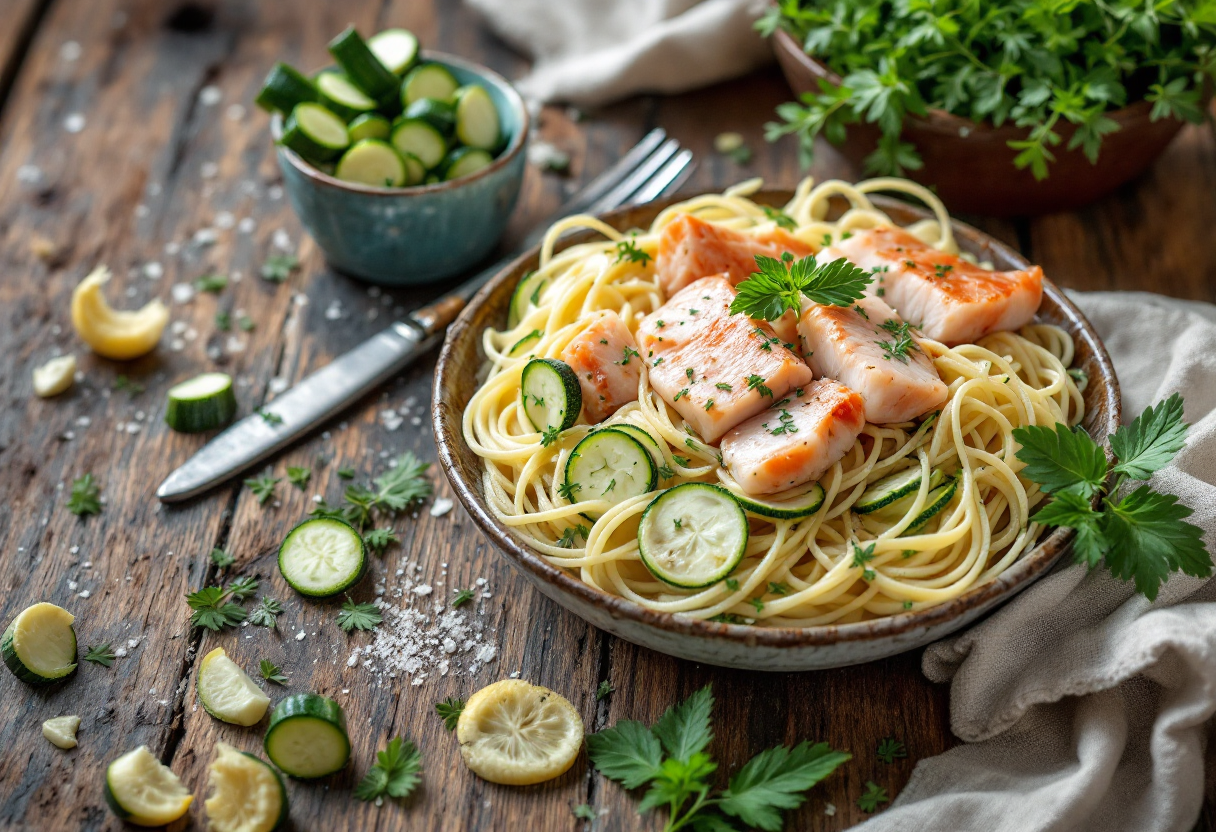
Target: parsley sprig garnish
x,y
1144,536
221,559
266,613
604,691
627,250
779,286
463,596
358,616
262,487
214,609
891,749
873,795
398,770
380,539
271,672
299,477
278,267
449,711
397,489
102,654
85,497
671,757
902,343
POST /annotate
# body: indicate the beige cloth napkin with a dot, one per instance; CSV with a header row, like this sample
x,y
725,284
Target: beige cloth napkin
x,y
1082,704
593,52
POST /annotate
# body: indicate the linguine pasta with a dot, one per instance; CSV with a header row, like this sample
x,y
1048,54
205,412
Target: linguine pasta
x,y
835,565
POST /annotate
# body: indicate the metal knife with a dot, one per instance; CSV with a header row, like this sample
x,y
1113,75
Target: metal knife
x,y
654,166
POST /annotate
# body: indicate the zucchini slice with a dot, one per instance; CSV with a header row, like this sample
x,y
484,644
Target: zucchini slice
x,y
415,171
527,293
315,133
610,465
369,126
226,691
285,88
205,402
428,81
477,122
142,790
421,140
939,498
247,794
693,535
518,346
341,96
307,736
361,64
642,435
887,490
372,162
397,49
894,509
322,557
551,395
438,113
39,646
464,161
788,505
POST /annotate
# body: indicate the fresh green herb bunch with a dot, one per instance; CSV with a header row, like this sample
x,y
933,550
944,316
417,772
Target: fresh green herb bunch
x,y
1040,64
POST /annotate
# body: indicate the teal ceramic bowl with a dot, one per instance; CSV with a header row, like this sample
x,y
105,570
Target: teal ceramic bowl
x,y
411,236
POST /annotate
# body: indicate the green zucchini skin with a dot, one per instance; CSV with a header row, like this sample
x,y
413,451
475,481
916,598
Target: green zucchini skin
x,y
284,88
296,138
196,415
362,66
14,663
572,391
775,510
311,705
439,114
284,811
111,800
464,161
369,126
530,285
935,504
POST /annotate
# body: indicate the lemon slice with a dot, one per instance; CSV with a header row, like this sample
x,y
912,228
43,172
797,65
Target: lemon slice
x,y
227,692
143,791
61,731
518,733
247,795
110,332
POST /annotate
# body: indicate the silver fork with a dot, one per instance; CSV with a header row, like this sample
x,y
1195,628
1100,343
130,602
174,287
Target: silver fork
x,y
655,166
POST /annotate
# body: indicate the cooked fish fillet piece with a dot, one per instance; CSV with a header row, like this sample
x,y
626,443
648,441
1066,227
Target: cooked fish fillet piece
x,y
949,299
796,440
716,369
861,347
606,360
691,248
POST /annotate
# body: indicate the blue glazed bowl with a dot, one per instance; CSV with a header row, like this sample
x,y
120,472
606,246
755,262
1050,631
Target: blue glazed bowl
x,y
411,236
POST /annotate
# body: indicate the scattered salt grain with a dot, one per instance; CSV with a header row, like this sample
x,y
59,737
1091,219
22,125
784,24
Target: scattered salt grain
x,y
70,51
246,225
278,384
154,270
178,327
210,95
235,112
29,174
441,507
334,311
300,635
132,643
205,236
281,239
74,123
275,192
514,674
225,220
390,420
119,652
182,292
84,593
829,809
73,586
208,170
423,590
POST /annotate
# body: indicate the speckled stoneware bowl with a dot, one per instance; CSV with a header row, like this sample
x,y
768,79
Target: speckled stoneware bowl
x,y
410,236
732,645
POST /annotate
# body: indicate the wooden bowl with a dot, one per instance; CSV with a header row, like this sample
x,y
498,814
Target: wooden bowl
x,y
970,165
733,645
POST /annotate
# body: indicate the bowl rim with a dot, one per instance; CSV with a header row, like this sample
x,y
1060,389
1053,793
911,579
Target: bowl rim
x,y
939,120
1032,565
505,158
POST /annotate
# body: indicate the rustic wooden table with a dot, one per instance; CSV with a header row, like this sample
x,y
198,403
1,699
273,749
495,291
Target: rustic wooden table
x,y
127,129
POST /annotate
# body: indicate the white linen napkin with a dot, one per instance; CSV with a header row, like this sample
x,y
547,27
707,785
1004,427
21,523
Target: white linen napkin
x,y
1082,704
593,52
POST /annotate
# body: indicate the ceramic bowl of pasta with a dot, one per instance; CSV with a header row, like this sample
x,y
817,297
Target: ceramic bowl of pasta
x,y
768,430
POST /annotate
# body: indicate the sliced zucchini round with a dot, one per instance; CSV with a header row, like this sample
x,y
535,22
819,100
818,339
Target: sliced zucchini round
x,y
643,436
428,81
939,498
361,64
421,140
887,490
397,49
39,646
438,113
372,162
893,510
464,161
415,171
307,736
315,133
247,794
284,88
142,790
477,122
322,557
226,691
610,465
527,294
518,347
788,505
551,395
693,535
205,402
340,95
369,126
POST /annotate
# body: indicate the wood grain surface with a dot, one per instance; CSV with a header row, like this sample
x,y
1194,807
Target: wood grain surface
x,y
155,164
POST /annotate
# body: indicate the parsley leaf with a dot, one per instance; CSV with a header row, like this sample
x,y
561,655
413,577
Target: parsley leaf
x,y
627,250
628,753
271,672
684,729
102,654
213,610
85,498
397,772
262,487
380,539
604,690
403,484
299,477
874,794
1061,458
773,781
782,219
897,349
215,283
243,587
449,711
891,749
1151,440
463,596
266,613
346,473
358,616
549,435
779,285
278,267
584,811
1148,540
221,558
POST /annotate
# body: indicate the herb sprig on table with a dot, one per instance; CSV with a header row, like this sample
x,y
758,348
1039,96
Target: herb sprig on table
x,y
397,489
85,497
398,770
1143,536
671,758
779,285
1039,64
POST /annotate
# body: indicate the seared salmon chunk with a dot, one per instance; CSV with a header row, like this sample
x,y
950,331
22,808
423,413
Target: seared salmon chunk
x,y
606,360
949,299
869,349
691,248
795,440
716,369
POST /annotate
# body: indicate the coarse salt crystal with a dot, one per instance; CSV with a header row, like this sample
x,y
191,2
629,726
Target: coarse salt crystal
x,y
246,225
281,240
300,635
225,220
70,51
84,593
210,95
422,589
441,507
182,292
74,123
235,112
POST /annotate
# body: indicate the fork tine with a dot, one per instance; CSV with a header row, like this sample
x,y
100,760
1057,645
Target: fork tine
x,y
619,195
613,175
668,180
